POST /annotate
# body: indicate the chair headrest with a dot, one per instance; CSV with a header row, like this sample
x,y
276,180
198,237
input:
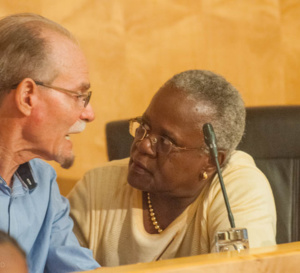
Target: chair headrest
x,y
272,132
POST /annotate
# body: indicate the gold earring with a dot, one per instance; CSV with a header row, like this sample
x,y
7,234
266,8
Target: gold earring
x,y
204,175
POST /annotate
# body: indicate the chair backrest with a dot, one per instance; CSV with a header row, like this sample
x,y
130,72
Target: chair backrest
x,y
118,139
272,138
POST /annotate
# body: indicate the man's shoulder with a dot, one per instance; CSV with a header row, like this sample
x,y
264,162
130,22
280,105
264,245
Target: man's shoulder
x,y
37,164
42,172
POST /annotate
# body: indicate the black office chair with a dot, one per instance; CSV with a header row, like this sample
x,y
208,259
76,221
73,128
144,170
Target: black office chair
x,y
272,137
118,139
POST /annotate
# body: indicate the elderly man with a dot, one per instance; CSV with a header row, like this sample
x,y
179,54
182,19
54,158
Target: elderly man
x,y
165,201
44,98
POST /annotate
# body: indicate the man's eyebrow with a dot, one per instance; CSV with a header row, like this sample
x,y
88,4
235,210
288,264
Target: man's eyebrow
x,y
85,86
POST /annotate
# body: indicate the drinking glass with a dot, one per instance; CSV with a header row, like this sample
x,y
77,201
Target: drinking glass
x,y
233,239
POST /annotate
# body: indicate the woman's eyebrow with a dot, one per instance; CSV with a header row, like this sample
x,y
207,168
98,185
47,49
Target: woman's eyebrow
x,y
164,132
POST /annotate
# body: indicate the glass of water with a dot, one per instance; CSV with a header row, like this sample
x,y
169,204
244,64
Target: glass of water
x,y
233,239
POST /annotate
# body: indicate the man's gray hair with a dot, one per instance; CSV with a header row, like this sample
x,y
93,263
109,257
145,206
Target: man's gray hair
x,y
24,51
224,106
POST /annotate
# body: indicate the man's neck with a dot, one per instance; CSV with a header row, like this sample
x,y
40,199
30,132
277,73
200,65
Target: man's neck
x,y
14,149
7,174
9,164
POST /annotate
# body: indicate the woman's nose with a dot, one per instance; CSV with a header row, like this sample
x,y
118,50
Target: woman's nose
x,y
147,145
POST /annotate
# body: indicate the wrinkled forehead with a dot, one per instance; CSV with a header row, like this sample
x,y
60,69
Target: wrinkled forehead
x,y
63,48
178,108
180,101
67,59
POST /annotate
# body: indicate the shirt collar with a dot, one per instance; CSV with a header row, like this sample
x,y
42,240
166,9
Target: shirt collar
x,y
24,173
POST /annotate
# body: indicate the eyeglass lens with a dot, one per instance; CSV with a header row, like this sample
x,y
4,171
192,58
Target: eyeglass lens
x,y
86,99
158,143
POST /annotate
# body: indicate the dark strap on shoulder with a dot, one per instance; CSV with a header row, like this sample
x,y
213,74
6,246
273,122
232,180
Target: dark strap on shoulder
x,y
24,172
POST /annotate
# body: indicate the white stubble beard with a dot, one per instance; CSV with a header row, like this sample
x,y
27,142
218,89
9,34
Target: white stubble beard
x,y
67,161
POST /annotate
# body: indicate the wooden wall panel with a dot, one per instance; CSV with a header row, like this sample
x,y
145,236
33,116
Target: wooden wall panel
x,y
134,46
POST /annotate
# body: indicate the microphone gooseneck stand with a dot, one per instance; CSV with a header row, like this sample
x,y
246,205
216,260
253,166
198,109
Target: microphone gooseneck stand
x,y
210,140
234,238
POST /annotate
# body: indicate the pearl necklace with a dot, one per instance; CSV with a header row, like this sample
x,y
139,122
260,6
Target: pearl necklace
x,y
152,214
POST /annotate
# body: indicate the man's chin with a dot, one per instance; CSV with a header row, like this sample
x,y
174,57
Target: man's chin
x,y
66,163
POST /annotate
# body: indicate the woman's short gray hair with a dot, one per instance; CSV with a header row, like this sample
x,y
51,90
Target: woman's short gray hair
x,y
225,106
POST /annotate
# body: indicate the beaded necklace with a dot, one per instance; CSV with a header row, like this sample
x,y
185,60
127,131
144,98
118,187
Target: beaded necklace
x,y
152,214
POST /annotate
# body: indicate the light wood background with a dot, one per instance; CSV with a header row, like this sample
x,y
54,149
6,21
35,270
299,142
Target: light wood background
x,y
134,46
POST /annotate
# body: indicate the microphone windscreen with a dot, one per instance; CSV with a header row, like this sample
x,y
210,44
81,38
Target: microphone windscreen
x,y
210,139
209,134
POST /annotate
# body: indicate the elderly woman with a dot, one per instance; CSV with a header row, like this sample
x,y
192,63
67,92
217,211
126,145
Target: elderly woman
x,y
165,201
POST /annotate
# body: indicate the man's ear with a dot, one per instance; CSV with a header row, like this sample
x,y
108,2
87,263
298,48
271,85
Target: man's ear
x,y
24,96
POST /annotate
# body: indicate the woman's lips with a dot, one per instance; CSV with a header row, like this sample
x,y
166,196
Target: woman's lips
x,y
139,167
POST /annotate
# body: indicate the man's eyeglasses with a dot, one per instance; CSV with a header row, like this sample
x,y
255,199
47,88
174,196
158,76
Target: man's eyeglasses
x,y
158,143
85,97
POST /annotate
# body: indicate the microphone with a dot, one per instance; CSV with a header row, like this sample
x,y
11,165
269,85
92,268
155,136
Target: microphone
x,y
210,140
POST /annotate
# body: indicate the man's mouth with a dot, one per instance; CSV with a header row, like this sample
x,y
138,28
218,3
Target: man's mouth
x,y
77,127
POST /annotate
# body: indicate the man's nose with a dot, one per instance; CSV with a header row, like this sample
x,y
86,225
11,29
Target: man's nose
x,y
88,113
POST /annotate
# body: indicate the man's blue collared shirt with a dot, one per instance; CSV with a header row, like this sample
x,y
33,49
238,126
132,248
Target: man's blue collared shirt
x,y
37,216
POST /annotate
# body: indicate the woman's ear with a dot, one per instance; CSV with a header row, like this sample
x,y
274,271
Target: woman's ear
x,y
222,156
24,94
211,167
